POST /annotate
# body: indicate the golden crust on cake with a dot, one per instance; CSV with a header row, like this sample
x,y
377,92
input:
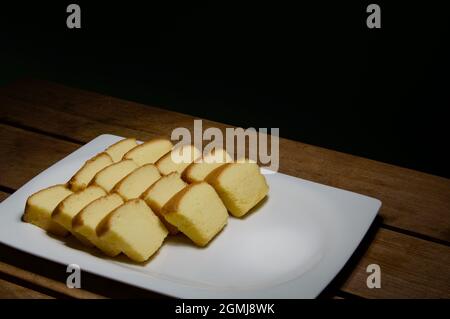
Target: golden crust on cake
x,y
87,220
178,159
197,171
241,186
118,149
108,177
74,203
134,184
86,173
134,229
198,212
39,208
157,195
149,152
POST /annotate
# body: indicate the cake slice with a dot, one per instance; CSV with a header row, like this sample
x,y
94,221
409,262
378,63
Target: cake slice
x,y
157,195
118,150
240,186
178,159
87,220
197,211
134,229
40,205
149,152
135,183
72,205
108,177
197,171
83,177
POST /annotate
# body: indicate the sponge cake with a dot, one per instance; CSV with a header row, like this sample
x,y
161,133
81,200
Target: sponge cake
x,y
118,150
73,204
87,220
135,183
108,177
157,195
40,205
198,212
83,177
149,152
134,229
197,171
178,159
240,186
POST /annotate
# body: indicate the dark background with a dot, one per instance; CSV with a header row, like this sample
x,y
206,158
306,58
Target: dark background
x,y
313,70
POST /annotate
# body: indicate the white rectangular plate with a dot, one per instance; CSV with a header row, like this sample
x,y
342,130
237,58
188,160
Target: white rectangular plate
x,y
291,246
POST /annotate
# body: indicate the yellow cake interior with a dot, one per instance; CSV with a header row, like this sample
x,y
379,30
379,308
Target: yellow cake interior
x,y
197,171
108,177
134,229
84,176
198,212
149,152
118,150
74,203
240,186
161,192
40,205
135,183
86,221
178,159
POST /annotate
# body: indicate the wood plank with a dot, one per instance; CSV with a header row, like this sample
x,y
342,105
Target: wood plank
x,y
45,282
99,107
412,200
60,124
25,154
3,196
410,268
9,290
52,276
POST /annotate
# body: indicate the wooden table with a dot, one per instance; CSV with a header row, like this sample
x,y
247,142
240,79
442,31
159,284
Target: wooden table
x,y
41,122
